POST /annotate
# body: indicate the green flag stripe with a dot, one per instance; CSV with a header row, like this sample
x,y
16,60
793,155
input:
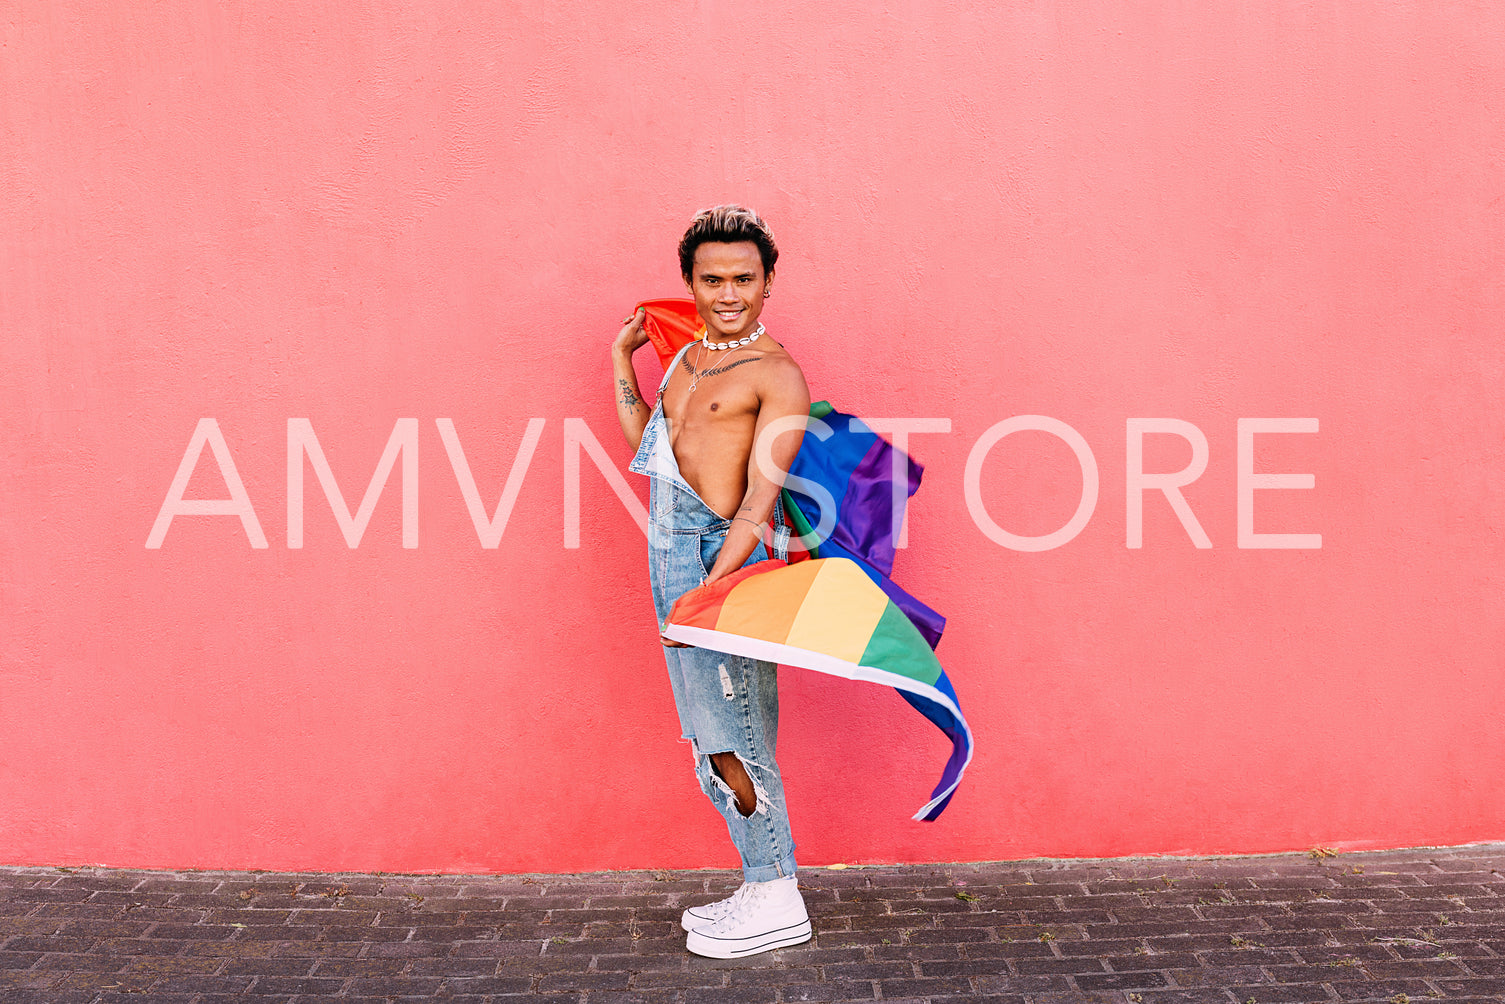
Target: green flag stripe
x,y
896,646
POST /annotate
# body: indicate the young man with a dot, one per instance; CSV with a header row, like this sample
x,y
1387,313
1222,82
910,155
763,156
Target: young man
x,y
710,502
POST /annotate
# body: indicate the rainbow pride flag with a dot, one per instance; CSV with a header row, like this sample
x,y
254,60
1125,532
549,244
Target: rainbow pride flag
x,y
853,468
833,608
828,615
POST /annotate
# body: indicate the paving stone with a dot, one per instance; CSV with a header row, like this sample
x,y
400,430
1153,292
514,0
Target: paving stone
x,y
1216,976
1306,938
226,950
485,985
1186,997
81,964
288,985
676,978
356,967
103,928
267,967
1264,993
1417,990
948,936
869,971
926,987
465,949
1433,969
763,977
1479,986
54,944
29,980
1072,965
968,968
197,983
1098,948
583,981
175,965
1021,984
10,926
1159,960
102,982
730,995
1121,980
626,997
1249,957
310,949
18,960
193,932
808,955
394,986
843,991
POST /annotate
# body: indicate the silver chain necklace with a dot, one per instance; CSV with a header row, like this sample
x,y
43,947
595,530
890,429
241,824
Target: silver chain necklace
x,y
706,343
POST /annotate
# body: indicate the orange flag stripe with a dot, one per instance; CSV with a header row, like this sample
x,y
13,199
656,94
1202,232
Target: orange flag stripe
x,y
764,608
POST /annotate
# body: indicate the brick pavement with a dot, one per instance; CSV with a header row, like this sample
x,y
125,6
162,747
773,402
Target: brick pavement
x,y
1397,927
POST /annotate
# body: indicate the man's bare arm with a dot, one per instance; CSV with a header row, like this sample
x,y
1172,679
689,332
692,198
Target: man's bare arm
x,y
784,401
632,410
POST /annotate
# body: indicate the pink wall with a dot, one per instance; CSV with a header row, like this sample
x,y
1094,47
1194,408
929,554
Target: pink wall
x,y
361,213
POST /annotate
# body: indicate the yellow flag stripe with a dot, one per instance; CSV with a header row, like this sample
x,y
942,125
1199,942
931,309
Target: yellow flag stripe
x,y
840,611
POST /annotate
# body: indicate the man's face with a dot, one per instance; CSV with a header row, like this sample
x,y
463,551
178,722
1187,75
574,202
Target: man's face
x,y
728,283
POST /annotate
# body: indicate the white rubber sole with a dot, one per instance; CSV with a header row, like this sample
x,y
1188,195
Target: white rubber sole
x,y
735,948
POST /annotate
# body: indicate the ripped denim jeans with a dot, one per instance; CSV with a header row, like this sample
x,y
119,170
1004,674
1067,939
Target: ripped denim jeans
x,y
726,703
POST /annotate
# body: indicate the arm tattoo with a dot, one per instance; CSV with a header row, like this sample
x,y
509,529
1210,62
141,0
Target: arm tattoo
x,y
629,398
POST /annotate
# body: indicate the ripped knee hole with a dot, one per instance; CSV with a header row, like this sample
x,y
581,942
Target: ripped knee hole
x,y
738,791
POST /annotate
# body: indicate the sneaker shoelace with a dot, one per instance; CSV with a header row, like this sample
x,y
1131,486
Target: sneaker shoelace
x,y
723,907
749,899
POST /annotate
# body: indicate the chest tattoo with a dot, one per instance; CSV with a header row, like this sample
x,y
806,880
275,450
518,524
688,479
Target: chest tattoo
x,y
684,361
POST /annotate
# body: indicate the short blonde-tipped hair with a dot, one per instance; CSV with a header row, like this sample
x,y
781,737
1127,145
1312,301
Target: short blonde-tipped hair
x,y
726,224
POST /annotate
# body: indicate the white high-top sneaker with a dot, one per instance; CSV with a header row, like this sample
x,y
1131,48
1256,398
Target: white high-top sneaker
x,y
762,916
701,916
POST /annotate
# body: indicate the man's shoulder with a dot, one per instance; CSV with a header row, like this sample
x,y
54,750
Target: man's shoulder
x,y
776,356
776,361
779,372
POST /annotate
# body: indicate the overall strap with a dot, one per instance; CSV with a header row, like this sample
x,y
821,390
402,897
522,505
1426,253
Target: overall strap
x,y
669,369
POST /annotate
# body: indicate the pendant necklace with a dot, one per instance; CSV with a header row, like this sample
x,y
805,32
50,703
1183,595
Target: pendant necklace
x,y
706,343
695,372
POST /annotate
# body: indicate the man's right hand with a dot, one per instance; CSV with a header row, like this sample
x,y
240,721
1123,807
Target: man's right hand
x,y
634,334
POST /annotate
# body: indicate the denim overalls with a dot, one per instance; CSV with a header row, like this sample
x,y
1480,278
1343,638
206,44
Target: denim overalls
x,y
725,702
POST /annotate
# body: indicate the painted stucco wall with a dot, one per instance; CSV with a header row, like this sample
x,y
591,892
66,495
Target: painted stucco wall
x,y
377,217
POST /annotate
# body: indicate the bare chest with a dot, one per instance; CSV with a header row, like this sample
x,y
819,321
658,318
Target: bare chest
x,y
716,399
